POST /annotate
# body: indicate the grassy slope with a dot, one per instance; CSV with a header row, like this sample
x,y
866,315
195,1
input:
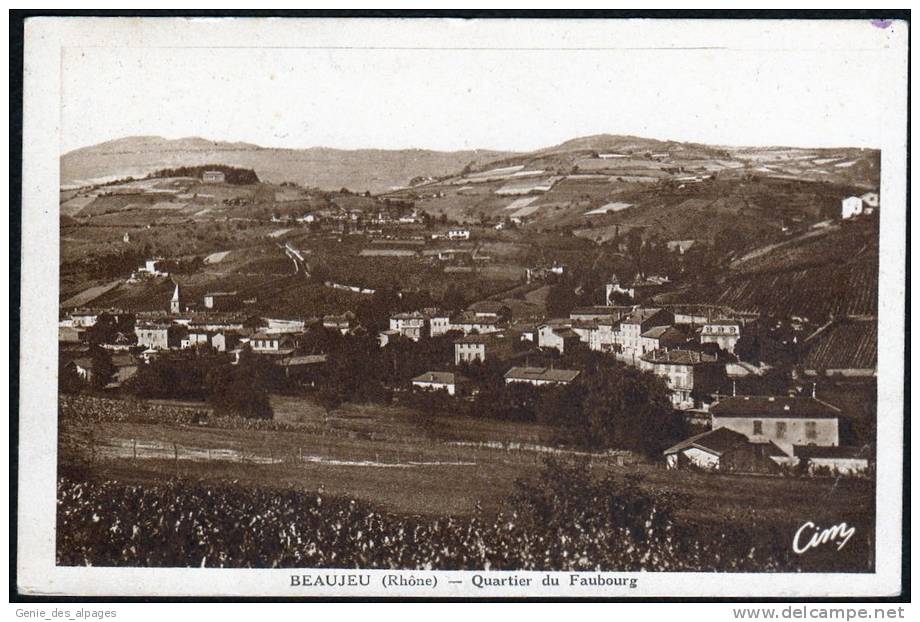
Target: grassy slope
x,y
396,435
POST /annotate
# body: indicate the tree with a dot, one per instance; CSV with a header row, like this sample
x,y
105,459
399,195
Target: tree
x,y
560,300
453,298
240,389
69,380
103,369
625,408
329,398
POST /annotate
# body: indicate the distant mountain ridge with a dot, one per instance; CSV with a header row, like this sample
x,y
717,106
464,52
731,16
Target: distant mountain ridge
x,y
380,170
376,170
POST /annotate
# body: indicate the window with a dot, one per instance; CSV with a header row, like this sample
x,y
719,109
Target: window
x,y
780,429
811,429
758,426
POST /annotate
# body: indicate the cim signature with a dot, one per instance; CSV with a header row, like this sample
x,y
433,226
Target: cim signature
x,y
839,534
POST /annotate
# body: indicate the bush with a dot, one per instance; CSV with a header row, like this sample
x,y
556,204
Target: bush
x,y
564,521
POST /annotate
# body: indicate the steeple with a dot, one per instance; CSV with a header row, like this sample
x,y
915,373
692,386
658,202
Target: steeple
x,y
175,305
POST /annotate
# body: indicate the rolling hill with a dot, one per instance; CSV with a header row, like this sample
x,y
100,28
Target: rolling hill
x,y
376,170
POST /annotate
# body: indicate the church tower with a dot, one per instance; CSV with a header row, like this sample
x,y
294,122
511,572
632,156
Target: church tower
x,y
175,305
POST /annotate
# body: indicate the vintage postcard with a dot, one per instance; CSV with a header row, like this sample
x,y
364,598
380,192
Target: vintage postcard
x,y
482,308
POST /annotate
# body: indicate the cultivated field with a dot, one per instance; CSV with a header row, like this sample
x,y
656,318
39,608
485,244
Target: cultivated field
x,y
404,461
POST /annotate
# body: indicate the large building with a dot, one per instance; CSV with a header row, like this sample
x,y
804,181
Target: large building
x,y
685,371
272,343
481,348
539,376
556,336
631,328
725,333
429,322
786,421
159,335
661,338
413,325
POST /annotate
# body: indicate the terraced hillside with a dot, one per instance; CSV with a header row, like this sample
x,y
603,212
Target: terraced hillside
x,y
825,272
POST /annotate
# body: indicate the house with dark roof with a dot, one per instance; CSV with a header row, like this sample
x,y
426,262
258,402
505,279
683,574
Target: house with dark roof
x,y
125,367
723,449
631,328
685,372
662,338
539,376
440,381
725,333
272,343
558,335
469,322
786,421
491,309
484,347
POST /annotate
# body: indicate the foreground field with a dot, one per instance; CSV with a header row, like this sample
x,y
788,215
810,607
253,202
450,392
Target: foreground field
x,y
565,521
403,461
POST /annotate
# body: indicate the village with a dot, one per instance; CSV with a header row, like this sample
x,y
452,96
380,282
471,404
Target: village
x,y
702,353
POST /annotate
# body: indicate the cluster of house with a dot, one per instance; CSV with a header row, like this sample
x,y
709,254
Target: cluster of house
x,y
217,328
150,269
667,343
771,434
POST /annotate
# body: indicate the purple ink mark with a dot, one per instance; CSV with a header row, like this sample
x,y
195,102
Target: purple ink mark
x,y
881,23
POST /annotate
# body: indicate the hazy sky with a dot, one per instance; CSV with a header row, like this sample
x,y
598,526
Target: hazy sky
x,y
822,94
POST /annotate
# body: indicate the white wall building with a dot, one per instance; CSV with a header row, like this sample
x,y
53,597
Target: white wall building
x,y
851,206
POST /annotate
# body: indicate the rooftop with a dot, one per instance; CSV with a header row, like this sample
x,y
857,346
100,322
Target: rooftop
x,y
544,374
483,338
679,357
716,441
436,377
782,407
307,359
659,332
723,322
641,315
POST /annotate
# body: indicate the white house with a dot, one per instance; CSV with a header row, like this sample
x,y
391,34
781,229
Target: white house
x,y
725,333
870,201
558,336
213,177
851,206
786,421
272,343
458,234
724,450
438,381
539,376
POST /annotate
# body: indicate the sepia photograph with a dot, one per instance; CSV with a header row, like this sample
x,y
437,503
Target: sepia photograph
x,y
520,307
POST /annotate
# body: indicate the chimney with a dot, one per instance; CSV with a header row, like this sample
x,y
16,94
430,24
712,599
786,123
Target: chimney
x,y
734,389
814,389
